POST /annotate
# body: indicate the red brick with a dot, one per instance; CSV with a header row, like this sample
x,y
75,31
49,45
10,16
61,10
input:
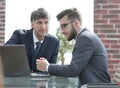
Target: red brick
x,y
115,21
107,31
97,16
115,36
101,12
117,26
107,45
103,21
115,46
108,6
110,41
114,61
113,1
109,55
2,21
103,26
114,11
100,1
110,16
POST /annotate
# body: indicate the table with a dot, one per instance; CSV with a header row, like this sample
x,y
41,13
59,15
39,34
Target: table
x,y
40,82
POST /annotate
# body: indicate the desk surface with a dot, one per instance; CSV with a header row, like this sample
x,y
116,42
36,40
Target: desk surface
x,y
40,82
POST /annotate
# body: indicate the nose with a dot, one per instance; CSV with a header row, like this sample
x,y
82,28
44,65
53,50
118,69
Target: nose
x,y
43,26
62,31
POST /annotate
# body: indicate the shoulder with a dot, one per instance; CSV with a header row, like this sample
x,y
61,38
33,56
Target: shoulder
x,y
52,38
86,33
88,37
22,30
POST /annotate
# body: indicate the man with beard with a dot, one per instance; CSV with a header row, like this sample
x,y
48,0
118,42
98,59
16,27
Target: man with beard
x,y
89,54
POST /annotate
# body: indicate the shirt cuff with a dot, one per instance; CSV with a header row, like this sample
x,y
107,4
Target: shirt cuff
x,y
47,67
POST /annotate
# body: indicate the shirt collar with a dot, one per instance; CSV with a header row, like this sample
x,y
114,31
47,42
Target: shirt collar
x,y
79,33
35,38
80,30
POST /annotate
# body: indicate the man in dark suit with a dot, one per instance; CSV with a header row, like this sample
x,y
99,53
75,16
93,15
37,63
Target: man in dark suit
x,y
49,45
89,54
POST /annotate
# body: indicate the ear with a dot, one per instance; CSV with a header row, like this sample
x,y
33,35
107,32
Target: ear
x,y
76,23
32,25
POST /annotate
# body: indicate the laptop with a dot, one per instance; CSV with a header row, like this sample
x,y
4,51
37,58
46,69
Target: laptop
x,y
14,60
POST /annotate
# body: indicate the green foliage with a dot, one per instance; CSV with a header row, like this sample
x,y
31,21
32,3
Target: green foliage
x,y
65,46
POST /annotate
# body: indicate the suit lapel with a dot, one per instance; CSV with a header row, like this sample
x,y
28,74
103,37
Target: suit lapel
x,y
85,29
44,44
30,42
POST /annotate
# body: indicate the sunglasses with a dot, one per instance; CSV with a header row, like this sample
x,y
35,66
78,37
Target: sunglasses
x,y
62,26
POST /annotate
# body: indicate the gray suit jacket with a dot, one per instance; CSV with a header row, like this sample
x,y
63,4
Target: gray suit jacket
x,y
49,48
88,60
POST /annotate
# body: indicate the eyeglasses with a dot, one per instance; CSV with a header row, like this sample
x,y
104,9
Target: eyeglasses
x,y
64,25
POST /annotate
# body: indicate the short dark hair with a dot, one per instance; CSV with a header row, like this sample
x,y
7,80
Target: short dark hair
x,y
39,13
72,14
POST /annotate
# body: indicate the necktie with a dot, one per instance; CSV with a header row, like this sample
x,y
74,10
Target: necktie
x,y
36,50
38,45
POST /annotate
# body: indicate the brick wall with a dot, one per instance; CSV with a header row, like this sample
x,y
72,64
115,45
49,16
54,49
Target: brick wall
x,y
107,26
2,20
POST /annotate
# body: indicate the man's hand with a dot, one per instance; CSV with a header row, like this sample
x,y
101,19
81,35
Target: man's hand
x,y
41,64
116,78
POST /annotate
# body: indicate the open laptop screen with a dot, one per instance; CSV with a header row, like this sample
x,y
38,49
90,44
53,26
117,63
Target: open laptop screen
x,y
14,60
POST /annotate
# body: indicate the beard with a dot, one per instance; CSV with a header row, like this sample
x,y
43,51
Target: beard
x,y
73,34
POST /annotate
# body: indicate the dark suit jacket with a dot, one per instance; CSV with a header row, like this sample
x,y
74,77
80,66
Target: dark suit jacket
x,y
89,60
49,48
